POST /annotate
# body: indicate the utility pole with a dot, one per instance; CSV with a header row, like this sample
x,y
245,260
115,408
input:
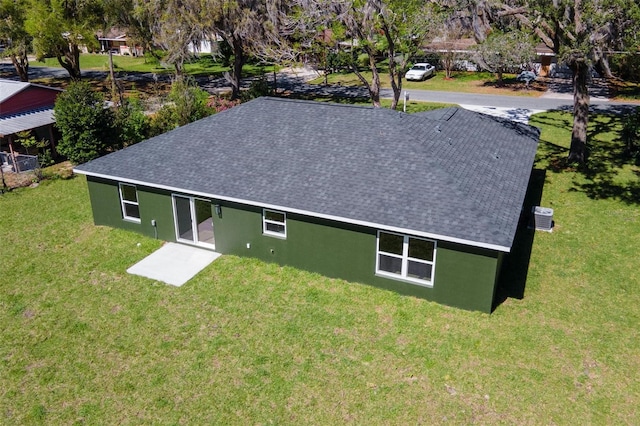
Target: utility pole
x,y
114,87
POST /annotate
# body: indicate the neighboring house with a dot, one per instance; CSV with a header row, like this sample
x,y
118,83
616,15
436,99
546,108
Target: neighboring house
x,y
116,41
545,62
210,45
25,107
424,204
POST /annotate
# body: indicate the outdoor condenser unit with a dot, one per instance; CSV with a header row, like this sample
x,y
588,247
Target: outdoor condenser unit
x,y
543,218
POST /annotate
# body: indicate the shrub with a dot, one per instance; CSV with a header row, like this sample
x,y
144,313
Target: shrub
x,y
87,126
186,103
132,123
220,104
258,87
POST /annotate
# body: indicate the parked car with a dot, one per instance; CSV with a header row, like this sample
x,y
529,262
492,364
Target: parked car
x,y
526,76
420,71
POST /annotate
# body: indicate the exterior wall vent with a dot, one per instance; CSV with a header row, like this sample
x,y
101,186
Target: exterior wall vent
x,y
543,218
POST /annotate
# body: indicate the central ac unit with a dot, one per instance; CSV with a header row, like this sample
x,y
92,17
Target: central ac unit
x,y
543,218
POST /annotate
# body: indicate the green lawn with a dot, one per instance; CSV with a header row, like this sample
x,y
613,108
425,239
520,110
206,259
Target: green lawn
x,y
203,66
466,82
412,106
245,342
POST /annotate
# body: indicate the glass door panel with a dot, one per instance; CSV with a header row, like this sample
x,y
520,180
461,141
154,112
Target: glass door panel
x,y
204,221
184,223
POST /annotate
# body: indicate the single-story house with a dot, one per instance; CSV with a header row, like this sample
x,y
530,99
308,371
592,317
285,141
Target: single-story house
x,y
423,204
209,45
25,107
544,63
116,41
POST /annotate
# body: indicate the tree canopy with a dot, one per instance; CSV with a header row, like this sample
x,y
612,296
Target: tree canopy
x,y
14,33
503,51
581,33
60,27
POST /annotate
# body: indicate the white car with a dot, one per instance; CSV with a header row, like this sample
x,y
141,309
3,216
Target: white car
x,y
420,71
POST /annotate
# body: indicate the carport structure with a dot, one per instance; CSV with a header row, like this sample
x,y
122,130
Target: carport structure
x,y
25,107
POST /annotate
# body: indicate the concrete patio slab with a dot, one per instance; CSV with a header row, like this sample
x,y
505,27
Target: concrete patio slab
x,y
173,263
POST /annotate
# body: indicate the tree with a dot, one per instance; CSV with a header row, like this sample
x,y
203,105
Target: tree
x,y
241,24
174,24
40,148
406,24
134,16
186,103
448,41
14,33
244,25
392,29
86,125
580,33
503,51
60,27
359,18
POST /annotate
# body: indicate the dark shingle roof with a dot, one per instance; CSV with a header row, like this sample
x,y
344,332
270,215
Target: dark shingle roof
x,y
451,174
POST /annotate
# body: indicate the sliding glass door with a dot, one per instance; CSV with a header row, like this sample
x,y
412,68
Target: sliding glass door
x,y
193,220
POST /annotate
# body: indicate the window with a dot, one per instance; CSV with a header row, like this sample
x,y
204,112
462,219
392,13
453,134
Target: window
x,y
274,223
129,201
405,257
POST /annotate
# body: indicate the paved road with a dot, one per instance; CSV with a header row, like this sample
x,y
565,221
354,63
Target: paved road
x,y
547,101
519,108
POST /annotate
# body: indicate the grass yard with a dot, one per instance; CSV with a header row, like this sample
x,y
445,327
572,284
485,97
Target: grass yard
x,y
412,106
247,342
203,66
101,63
466,82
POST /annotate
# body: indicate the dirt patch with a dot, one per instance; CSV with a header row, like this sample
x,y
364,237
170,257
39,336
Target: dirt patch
x,y
510,88
18,180
12,180
144,89
625,91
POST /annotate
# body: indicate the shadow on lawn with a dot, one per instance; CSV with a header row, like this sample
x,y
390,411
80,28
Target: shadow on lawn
x,y
515,267
603,175
510,83
606,173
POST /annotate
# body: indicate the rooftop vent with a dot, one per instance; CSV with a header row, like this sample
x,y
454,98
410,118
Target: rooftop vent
x,y
543,218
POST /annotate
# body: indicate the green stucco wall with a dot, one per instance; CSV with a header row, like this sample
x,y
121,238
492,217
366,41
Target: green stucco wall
x,y
464,276
154,205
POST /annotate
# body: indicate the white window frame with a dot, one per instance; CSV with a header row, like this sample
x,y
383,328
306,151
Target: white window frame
x,y
266,221
124,202
403,276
